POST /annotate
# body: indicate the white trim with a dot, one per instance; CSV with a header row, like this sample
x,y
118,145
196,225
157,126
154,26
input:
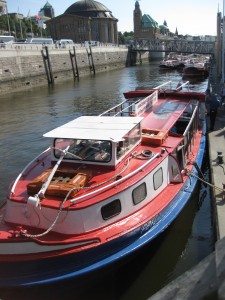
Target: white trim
x,y
117,181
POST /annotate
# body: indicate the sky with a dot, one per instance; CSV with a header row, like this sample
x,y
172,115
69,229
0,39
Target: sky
x,y
194,17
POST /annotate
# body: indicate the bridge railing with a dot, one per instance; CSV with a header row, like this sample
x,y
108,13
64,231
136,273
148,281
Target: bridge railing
x,y
183,46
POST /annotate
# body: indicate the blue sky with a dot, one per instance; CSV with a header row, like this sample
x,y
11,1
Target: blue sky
x,y
195,17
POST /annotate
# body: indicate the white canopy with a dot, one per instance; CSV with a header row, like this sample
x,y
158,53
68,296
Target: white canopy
x,y
96,128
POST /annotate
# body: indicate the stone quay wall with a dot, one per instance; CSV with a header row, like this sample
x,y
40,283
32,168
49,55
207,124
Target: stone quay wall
x,y
25,66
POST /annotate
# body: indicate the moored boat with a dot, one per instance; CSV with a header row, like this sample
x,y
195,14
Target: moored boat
x,y
199,69
169,64
108,185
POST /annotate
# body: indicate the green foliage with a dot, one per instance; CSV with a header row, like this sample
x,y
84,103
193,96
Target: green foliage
x,y
125,38
19,28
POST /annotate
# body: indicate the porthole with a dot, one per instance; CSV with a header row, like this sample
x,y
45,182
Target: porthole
x,y
158,178
111,209
139,193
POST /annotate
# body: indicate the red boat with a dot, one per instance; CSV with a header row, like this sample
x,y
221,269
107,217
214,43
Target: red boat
x,y
105,187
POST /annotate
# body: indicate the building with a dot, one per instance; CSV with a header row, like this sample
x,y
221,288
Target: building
x,y
144,26
47,11
85,20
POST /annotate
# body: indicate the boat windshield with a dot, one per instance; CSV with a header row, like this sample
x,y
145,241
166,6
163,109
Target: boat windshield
x,y
85,150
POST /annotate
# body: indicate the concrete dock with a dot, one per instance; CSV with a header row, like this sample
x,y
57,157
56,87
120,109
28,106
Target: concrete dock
x,y
216,140
207,279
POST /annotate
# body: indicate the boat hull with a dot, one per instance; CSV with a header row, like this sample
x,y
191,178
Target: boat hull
x,y
195,72
63,267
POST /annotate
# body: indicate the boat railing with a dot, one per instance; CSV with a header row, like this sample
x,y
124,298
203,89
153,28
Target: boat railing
x,y
161,85
37,160
179,86
116,182
183,85
191,130
121,109
127,106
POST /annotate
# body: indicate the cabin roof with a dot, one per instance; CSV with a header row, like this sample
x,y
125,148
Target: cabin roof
x,y
96,128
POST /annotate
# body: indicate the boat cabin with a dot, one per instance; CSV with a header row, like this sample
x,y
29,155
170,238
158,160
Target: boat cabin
x,y
98,140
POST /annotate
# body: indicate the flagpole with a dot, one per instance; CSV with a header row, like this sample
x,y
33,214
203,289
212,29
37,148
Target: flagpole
x,y
8,20
223,41
21,31
31,28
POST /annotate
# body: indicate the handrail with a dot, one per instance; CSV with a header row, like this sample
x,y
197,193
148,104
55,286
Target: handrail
x,y
117,181
182,85
37,197
159,86
125,108
111,109
191,121
25,169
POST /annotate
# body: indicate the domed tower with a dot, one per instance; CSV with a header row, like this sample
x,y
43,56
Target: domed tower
x,y
137,19
88,8
85,20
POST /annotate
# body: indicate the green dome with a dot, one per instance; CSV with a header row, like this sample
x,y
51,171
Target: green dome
x,y
148,22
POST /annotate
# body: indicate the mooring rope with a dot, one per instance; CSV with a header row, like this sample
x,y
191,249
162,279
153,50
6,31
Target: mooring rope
x,y
27,235
190,173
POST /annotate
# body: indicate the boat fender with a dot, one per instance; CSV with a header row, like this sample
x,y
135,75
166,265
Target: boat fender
x,y
147,153
163,150
33,200
184,172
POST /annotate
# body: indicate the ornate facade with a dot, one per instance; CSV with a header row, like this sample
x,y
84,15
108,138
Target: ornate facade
x,y
144,26
85,20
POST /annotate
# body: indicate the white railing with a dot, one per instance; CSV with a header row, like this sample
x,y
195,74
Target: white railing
x,y
117,181
37,159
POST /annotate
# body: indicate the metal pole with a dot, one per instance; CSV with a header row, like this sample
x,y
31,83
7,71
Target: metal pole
x,y
8,20
21,31
223,41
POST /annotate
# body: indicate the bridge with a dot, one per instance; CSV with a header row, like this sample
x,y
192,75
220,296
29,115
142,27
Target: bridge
x,y
180,46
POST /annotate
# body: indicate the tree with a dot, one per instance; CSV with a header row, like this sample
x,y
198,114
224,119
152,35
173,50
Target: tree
x,y
20,28
126,37
121,38
3,23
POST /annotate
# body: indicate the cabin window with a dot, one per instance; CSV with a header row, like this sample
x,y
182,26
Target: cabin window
x,y
129,141
158,178
139,193
84,150
111,209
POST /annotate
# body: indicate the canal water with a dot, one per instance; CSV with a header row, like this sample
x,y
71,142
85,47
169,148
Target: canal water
x,y
26,116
